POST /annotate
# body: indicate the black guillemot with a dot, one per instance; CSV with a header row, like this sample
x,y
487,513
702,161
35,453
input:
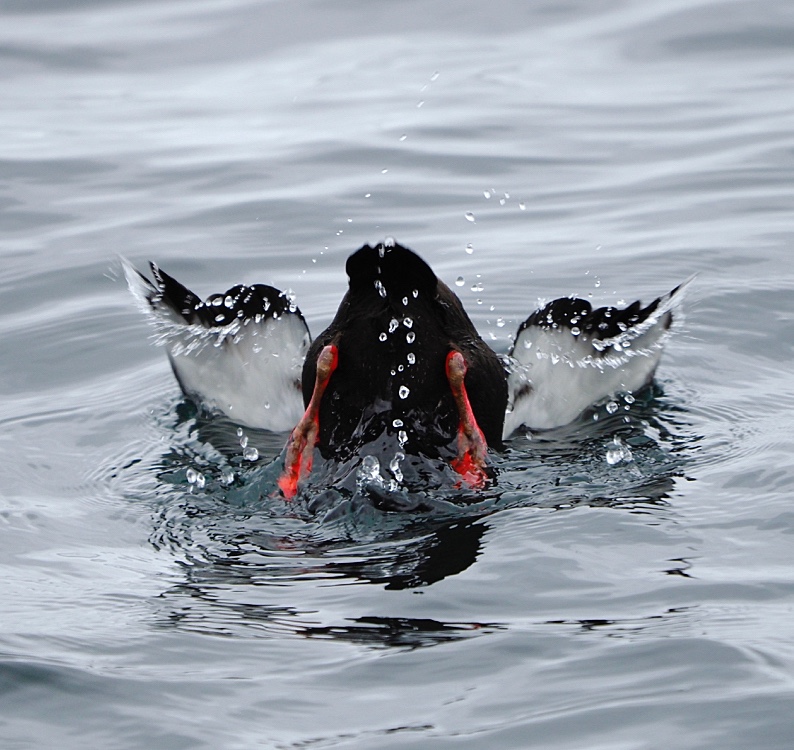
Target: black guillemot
x,y
400,357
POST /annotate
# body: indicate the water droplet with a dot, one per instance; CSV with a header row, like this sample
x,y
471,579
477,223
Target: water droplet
x,y
408,323
227,475
435,76
369,471
460,281
618,452
219,318
415,293
404,391
250,453
403,137
397,423
228,301
267,404
469,216
507,196
629,399
486,193
575,331
597,283
469,248
402,438
195,478
384,171
612,407
381,289
366,195
239,432
389,242
244,441
522,206
394,466
420,104
217,302
382,337
478,287
405,301
411,358
479,301
410,337
400,368
500,322
393,324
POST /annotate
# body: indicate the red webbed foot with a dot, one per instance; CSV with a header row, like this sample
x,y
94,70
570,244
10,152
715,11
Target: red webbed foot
x,y
472,449
300,446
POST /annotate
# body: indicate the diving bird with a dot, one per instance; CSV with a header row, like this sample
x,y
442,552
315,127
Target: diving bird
x,y
401,358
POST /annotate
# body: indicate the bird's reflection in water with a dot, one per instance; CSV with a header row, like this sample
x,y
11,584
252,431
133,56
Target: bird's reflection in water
x,y
237,585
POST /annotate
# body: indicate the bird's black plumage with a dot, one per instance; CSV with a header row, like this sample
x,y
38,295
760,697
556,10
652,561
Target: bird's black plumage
x,y
393,330
602,323
238,303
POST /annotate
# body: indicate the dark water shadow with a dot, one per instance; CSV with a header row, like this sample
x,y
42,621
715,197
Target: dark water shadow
x,y
248,576
632,627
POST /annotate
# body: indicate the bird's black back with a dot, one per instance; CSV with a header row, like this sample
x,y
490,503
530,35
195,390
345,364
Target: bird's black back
x,y
394,329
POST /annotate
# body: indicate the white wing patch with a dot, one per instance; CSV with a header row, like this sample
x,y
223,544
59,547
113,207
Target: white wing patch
x,y
556,371
248,369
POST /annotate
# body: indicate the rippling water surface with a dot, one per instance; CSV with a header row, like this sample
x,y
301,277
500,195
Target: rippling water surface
x,y
626,584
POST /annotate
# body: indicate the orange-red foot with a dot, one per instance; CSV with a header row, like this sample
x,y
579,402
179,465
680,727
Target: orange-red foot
x,y
300,446
472,448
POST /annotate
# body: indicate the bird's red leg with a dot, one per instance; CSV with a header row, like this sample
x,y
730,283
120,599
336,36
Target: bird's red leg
x,y
472,448
300,446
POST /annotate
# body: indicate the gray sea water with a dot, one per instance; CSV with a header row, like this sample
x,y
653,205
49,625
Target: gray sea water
x,y
607,148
